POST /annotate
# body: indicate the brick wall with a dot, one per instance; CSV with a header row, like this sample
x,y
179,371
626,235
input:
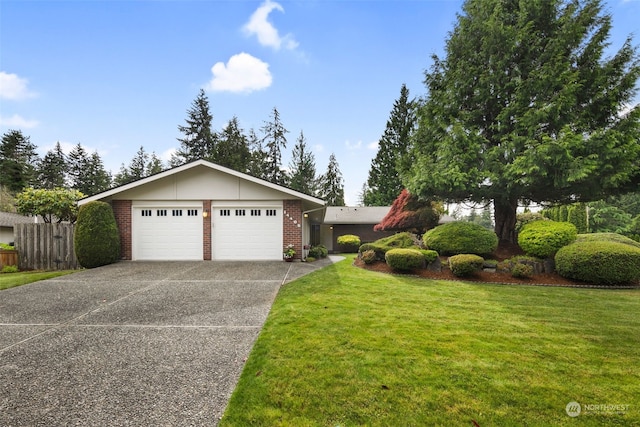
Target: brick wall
x,y
206,230
292,225
122,212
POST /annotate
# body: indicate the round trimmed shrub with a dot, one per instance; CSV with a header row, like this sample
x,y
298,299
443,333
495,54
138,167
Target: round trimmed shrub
x,y
349,243
465,264
605,263
461,238
607,237
96,238
404,259
369,256
522,271
318,252
429,255
543,239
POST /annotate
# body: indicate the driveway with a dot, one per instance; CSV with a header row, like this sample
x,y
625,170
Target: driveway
x,y
133,343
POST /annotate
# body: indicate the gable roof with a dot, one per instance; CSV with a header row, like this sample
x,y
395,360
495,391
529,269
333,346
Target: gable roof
x,y
355,215
197,163
9,219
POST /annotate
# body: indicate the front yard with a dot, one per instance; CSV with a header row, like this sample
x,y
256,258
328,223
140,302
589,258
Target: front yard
x,y
10,280
345,346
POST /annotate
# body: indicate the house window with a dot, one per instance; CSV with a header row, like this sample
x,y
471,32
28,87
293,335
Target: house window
x,y
271,212
177,212
240,212
255,212
192,212
146,212
161,212
225,212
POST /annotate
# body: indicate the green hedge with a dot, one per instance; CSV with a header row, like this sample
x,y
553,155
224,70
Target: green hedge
x,y
319,251
96,239
405,259
381,246
461,238
607,237
606,263
429,255
465,264
348,243
543,239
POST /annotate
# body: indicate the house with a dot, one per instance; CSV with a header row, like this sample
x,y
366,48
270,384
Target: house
x,y
204,211
341,220
8,222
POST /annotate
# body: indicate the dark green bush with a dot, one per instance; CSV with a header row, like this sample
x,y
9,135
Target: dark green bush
x,y
522,271
349,243
381,246
607,237
369,256
96,237
319,251
543,239
465,264
429,255
404,259
461,238
606,263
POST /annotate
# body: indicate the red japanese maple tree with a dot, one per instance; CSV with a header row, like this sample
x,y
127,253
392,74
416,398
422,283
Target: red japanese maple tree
x,y
407,213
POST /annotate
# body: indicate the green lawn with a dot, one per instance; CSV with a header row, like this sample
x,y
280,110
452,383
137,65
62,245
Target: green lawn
x,y
345,347
9,280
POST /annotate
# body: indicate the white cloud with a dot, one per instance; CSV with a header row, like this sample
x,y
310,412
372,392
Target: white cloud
x,y
14,87
318,148
264,30
243,73
17,121
373,146
351,146
166,155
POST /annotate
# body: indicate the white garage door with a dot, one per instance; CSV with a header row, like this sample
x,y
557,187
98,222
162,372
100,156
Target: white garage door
x,y
167,232
250,230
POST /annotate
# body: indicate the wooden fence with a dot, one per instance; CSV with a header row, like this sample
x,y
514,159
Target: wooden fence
x,y
45,247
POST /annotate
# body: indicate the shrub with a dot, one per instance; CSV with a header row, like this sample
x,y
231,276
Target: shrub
x,y
349,242
319,251
429,255
465,264
404,259
9,269
607,237
542,239
7,247
606,263
381,246
369,256
525,218
96,237
461,238
522,271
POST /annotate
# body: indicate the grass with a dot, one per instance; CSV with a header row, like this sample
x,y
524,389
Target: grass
x,y
345,346
10,280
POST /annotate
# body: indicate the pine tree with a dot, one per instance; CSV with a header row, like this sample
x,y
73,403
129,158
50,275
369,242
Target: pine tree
x,y
77,165
302,168
137,168
258,159
384,183
332,184
154,165
98,178
275,140
199,139
52,169
526,107
232,149
17,159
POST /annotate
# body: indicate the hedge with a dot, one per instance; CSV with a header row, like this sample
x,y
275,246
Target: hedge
x,y
404,259
465,264
543,239
461,238
96,239
606,263
381,246
607,237
349,242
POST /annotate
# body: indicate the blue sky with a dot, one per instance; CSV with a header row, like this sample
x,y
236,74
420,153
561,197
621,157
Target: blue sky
x,y
117,75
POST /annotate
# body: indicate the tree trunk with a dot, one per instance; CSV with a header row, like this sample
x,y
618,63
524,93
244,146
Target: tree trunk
x,y
505,215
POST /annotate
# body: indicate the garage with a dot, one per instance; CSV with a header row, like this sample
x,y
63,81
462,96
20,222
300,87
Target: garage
x,y
167,231
246,230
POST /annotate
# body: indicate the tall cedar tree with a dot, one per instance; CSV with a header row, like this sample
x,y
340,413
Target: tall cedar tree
x,y
232,149
332,184
274,140
408,213
17,159
52,169
199,139
525,107
302,168
384,183
86,172
98,178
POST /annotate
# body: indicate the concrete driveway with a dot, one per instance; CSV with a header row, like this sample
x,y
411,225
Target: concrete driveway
x,y
134,343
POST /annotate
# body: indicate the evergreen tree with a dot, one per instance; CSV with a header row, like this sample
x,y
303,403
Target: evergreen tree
x,y
526,107
137,168
232,149
154,165
332,184
275,140
258,159
384,182
199,139
52,169
17,159
302,168
77,165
